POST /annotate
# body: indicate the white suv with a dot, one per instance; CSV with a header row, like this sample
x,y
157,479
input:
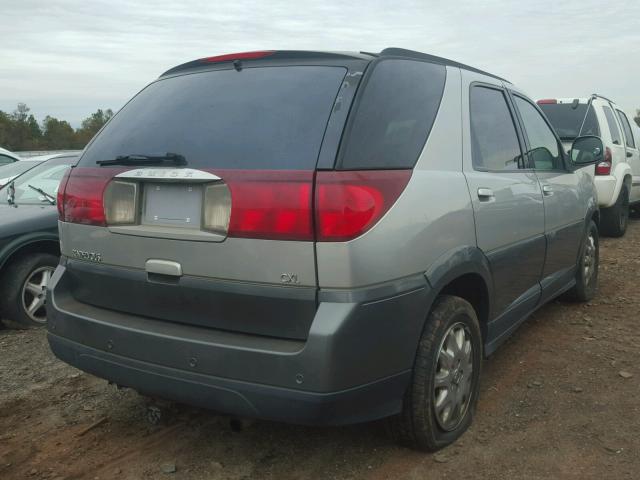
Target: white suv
x,y
617,178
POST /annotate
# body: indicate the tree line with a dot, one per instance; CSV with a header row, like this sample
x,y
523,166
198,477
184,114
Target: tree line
x,y
20,131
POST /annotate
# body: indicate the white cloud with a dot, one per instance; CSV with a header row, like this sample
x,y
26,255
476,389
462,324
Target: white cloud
x,y
67,58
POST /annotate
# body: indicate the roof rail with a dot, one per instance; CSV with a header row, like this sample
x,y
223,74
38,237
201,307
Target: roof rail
x,y
401,52
594,95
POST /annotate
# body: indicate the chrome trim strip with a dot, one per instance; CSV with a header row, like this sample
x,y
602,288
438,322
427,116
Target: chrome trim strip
x,y
169,174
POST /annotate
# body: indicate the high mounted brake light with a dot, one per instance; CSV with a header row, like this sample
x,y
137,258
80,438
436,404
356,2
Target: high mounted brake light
x,y
547,101
238,56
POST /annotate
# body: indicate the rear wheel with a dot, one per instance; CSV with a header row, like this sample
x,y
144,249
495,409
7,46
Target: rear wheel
x,y
440,401
616,218
587,267
24,289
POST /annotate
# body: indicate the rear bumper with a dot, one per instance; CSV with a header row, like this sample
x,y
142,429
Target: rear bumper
x,y
233,397
353,367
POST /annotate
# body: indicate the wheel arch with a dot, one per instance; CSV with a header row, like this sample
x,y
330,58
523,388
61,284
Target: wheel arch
x,y
623,174
465,272
47,243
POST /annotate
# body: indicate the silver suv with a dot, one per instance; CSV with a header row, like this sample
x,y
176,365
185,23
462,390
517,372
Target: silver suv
x,y
319,238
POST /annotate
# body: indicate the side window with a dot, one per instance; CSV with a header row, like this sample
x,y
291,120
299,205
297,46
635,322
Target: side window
x,y
394,115
4,160
543,145
613,126
494,141
628,134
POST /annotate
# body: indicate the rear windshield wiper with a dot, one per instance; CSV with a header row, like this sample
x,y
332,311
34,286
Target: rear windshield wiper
x,y
174,158
50,198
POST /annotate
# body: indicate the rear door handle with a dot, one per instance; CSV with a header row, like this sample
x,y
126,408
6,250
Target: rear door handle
x,y
629,154
485,193
547,190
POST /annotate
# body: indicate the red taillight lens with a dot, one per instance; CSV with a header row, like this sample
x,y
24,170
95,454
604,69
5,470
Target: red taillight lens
x,y
60,195
604,168
238,56
547,101
270,204
348,203
82,198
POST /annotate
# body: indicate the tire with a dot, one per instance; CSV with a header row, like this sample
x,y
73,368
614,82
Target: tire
x,y
422,424
16,297
587,266
616,218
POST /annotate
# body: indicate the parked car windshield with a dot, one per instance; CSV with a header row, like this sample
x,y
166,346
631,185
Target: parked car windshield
x,y
567,120
257,118
45,177
7,172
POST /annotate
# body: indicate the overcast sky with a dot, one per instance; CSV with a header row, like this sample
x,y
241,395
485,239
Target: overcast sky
x,y
67,58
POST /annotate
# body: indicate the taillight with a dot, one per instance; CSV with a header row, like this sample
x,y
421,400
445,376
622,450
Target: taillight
x,y
547,101
60,195
604,167
217,208
83,196
120,202
266,204
348,203
270,204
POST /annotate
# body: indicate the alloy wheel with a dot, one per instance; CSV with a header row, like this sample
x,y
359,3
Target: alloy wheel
x,y
34,293
589,260
453,377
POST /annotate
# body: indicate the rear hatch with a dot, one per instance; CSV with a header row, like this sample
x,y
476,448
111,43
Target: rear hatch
x,y
195,203
570,119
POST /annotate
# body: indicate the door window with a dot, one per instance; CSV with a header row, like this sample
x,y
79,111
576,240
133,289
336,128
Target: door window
x,y
628,134
613,126
494,139
543,144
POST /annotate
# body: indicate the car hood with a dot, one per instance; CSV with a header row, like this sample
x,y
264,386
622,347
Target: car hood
x,y
26,218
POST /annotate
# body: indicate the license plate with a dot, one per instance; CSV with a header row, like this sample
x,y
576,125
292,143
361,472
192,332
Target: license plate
x,y
172,205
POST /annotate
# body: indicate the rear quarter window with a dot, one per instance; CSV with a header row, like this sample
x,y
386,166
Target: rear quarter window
x,y
628,134
613,126
393,115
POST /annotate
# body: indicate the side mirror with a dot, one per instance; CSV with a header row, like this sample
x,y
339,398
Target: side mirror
x,y
586,150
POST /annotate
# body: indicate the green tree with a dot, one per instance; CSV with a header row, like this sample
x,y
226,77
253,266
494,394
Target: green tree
x,y
19,130
91,125
5,130
24,132
58,134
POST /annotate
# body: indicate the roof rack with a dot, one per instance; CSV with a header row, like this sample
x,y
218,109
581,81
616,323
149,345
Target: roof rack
x,y
401,52
593,95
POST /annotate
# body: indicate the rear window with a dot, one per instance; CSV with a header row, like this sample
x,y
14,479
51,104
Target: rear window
x,y
393,116
258,118
567,120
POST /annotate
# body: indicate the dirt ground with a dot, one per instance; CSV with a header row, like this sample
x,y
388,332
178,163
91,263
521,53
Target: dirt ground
x,y
559,400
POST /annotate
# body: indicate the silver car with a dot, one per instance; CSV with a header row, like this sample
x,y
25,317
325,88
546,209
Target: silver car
x,y
319,238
